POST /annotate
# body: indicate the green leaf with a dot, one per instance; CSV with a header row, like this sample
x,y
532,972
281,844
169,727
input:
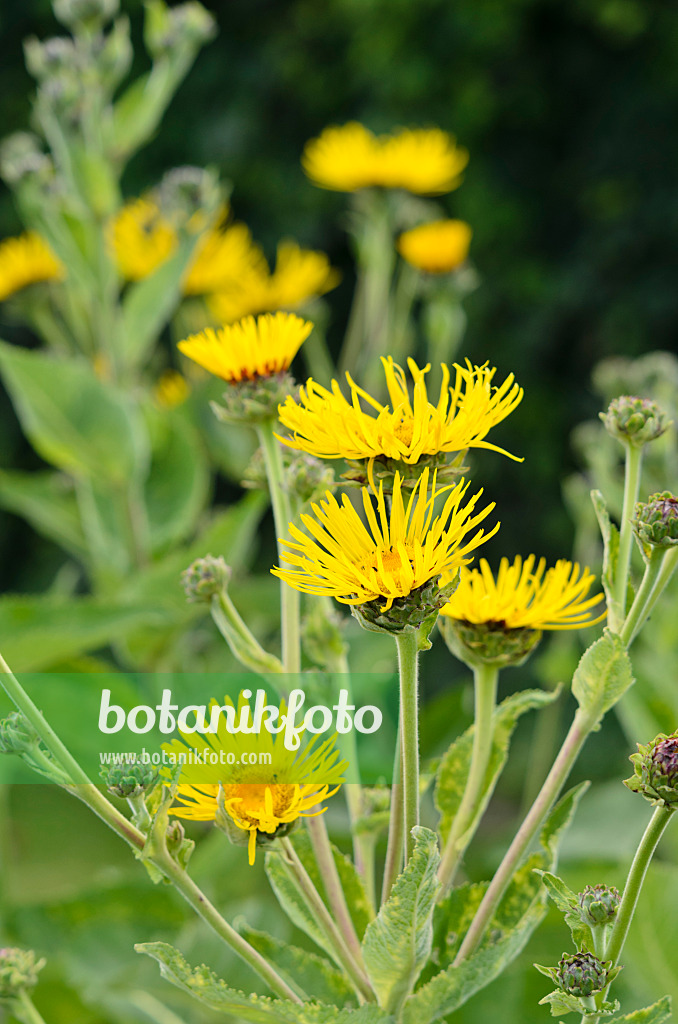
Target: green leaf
x,y
454,767
178,480
149,304
610,535
74,420
36,632
602,676
47,501
521,910
308,972
563,897
216,994
561,1002
398,942
655,1014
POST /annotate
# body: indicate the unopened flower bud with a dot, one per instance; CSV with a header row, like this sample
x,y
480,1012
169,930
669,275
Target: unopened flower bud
x,y
51,57
17,734
656,771
598,904
18,971
635,420
305,476
86,13
169,28
582,974
130,779
656,521
205,578
188,196
20,156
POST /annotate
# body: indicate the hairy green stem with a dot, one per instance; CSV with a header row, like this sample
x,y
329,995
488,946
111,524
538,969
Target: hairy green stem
x,y
580,729
324,858
408,663
289,597
237,635
658,572
396,825
485,679
634,461
324,920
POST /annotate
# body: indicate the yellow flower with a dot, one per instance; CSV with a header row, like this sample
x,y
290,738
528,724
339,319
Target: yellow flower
x,y
261,798
422,160
249,349
171,390
26,260
141,239
438,247
223,256
525,597
400,552
300,275
328,426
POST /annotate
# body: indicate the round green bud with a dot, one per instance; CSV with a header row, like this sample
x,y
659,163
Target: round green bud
x,y
17,734
406,614
130,779
635,420
598,904
656,771
581,974
488,643
18,971
205,578
167,29
87,13
305,476
656,521
20,156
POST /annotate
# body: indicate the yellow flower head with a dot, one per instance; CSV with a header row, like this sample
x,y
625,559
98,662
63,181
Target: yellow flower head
x,y
249,349
171,390
425,161
395,554
141,239
328,426
26,260
262,798
438,247
223,256
525,597
300,276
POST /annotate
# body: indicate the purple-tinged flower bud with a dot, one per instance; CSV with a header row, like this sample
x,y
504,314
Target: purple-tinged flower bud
x,y
582,974
598,904
205,578
656,771
656,521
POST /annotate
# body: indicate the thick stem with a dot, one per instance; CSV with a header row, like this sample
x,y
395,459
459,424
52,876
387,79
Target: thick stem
x,y
408,659
289,597
485,678
574,741
396,825
324,920
335,894
211,916
634,461
657,575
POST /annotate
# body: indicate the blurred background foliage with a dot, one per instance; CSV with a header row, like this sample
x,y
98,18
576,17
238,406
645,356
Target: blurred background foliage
x,y
565,106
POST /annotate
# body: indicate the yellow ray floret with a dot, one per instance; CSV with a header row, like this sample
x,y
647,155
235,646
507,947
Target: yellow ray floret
x,y
249,349
223,256
300,276
525,597
328,426
394,554
438,247
26,260
281,787
141,239
425,161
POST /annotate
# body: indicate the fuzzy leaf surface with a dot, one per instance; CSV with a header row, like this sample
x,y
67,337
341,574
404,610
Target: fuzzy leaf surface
x,y
602,676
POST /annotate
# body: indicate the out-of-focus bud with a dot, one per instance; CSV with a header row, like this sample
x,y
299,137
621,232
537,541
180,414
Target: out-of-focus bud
x,y
178,846
206,578
321,635
53,57
21,155
582,974
17,735
189,196
598,904
130,779
656,521
252,401
170,28
305,476
656,771
635,420
91,14
18,971
114,54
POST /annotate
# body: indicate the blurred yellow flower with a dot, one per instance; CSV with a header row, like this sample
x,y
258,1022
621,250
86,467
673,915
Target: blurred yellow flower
x,y
171,389
24,260
250,348
438,247
141,239
300,275
401,551
425,161
262,799
223,257
328,426
525,597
